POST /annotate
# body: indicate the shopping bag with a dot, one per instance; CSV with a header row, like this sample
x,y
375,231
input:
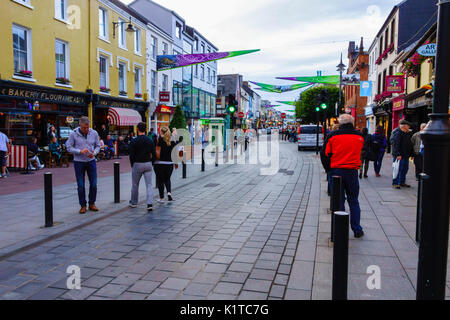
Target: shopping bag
x,y
395,169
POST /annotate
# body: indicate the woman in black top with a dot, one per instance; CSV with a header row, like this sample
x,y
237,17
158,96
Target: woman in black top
x,y
164,166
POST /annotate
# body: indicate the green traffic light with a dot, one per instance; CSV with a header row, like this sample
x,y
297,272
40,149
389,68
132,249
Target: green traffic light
x,y
317,109
232,109
323,106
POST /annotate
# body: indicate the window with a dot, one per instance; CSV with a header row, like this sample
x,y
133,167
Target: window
x,y
103,23
196,43
178,30
122,34
386,39
104,68
153,85
214,78
137,41
22,49
62,60
202,74
393,31
26,3
61,9
209,50
137,81
203,48
208,79
122,79
165,50
154,47
165,83
381,45
196,71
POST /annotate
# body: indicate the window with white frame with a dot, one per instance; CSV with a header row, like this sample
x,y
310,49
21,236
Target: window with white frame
x,y
154,44
203,48
196,71
137,41
178,30
122,79
214,78
165,82
62,61
202,73
61,9
196,44
22,50
208,79
122,34
26,3
104,72
137,80
165,50
103,23
153,85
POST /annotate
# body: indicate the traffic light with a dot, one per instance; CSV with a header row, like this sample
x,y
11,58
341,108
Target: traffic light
x,y
231,106
324,99
231,109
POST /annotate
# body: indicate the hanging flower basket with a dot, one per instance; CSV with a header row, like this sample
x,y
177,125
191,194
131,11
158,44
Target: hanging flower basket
x,y
62,80
26,73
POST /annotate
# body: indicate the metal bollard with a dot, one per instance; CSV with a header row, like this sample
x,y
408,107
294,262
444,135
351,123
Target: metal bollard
x,y
217,156
203,159
48,195
335,201
184,165
116,182
340,256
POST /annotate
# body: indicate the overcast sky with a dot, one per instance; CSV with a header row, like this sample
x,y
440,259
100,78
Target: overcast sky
x,y
296,37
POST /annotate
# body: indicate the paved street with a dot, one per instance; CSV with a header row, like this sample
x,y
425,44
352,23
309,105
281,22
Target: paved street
x,y
231,234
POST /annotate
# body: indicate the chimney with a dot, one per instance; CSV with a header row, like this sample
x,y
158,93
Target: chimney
x,y
361,46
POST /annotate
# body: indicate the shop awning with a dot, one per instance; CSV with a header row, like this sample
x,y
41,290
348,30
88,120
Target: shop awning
x,y
123,117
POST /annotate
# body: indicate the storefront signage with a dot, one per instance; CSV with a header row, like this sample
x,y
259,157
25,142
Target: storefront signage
x,y
117,104
398,104
241,115
69,119
428,50
365,89
42,96
395,84
164,96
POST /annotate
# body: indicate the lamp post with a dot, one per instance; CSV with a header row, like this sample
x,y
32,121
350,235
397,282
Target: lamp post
x,y
340,67
432,265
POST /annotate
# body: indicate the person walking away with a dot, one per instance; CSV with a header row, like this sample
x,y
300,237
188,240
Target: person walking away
x,y
152,135
402,150
380,145
142,156
418,158
164,166
365,153
341,156
3,153
84,144
55,149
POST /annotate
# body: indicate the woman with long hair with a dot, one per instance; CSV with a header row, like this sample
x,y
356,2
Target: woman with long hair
x,y
164,166
380,142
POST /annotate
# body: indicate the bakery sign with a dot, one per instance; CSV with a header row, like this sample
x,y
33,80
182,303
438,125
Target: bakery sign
x,y
395,84
42,96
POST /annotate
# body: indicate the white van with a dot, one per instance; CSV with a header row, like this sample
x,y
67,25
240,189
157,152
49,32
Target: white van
x,y
307,137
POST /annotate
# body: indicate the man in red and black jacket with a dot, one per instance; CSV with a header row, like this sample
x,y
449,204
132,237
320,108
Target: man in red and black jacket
x,y
341,156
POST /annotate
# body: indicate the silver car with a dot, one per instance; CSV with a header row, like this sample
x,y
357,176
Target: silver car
x,y
307,137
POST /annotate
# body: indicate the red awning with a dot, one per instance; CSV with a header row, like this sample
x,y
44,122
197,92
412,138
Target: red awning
x,y
123,117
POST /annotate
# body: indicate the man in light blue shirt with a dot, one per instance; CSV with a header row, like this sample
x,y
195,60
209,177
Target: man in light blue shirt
x,y
3,153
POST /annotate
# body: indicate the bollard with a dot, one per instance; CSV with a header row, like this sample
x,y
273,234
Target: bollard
x,y
184,165
340,256
116,182
217,156
226,154
203,159
335,201
48,196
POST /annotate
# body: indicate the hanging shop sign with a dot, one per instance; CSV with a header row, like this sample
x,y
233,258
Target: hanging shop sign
x,y
69,119
398,103
164,96
365,89
428,50
395,84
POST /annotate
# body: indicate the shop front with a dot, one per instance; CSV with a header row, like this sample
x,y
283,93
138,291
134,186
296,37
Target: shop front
x,y
162,117
418,107
383,118
120,116
398,107
29,111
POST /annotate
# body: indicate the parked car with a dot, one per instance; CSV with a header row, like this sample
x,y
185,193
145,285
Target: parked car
x,y
307,137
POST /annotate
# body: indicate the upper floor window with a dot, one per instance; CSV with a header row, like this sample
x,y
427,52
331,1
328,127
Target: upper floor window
x,y
122,79
137,81
104,72
208,79
202,73
165,50
22,50
61,9
62,61
122,34
153,85
203,48
165,83
214,78
137,41
103,23
154,49
178,30
196,71
26,3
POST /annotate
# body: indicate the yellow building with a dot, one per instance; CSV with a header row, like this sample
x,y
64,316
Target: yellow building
x,y
54,61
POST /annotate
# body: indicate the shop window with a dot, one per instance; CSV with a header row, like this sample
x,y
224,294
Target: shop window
x,y
62,61
22,51
61,10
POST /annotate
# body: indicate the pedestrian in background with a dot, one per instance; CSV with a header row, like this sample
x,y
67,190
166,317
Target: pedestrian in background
x,y
3,153
380,143
341,156
402,150
164,166
142,156
365,153
84,144
418,158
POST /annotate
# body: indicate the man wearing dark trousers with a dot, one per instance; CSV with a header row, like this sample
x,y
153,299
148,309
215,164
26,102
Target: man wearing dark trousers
x,y
341,156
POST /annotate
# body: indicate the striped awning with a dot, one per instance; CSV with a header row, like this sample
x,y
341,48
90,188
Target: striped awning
x,y
123,117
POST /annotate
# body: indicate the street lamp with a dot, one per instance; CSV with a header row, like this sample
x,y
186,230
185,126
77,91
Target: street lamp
x,y
130,27
340,67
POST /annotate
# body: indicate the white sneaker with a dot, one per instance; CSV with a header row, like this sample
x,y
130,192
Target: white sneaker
x,y
132,205
160,200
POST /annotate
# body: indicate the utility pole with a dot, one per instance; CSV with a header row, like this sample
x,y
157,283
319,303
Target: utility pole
x,y
432,266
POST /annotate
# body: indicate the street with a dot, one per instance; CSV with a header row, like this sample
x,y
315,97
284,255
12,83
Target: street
x,y
231,234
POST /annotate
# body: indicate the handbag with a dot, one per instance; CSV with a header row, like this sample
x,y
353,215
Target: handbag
x,y
395,169
158,153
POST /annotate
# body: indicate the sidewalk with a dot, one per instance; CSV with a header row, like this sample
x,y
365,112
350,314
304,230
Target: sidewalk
x,y
23,214
388,217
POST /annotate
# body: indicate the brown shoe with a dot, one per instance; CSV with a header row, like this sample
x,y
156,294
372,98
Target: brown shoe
x,y
92,207
83,210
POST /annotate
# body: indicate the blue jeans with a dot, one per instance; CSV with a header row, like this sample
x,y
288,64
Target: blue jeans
x,y
402,172
81,168
350,187
377,164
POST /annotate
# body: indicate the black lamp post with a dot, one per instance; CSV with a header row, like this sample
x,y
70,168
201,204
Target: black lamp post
x,y
340,67
130,27
432,266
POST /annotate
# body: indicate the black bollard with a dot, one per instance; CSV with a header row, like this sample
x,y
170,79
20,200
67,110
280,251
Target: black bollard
x,y
340,256
203,159
116,182
335,201
184,165
48,195
217,156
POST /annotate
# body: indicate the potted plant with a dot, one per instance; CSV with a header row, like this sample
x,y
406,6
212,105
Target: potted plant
x,y
104,89
26,73
62,80
138,95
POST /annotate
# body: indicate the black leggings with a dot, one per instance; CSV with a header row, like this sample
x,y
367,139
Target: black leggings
x,y
163,173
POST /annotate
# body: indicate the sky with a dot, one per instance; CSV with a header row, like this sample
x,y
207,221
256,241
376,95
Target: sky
x,y
296,37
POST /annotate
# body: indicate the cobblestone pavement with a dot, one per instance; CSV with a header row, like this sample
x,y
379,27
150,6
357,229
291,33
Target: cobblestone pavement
x,y
234,234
